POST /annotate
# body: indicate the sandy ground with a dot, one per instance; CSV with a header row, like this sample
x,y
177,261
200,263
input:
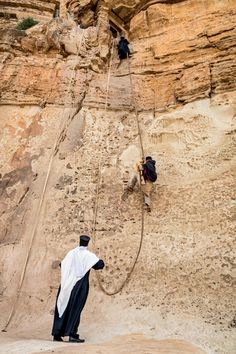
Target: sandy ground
x,y
130,344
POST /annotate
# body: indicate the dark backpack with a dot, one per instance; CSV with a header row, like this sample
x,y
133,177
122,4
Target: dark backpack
x,y
149,171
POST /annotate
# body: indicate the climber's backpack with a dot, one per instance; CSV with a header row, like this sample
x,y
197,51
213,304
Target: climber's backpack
x,y
149,171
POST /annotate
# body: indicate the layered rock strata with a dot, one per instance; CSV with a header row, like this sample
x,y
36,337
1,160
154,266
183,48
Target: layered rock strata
x,y
38,9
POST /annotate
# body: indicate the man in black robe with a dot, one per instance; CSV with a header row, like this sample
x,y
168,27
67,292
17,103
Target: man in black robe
x,y
123,48
73,291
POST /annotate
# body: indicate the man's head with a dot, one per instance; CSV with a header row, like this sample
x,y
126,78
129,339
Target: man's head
x,y
84,240
148,158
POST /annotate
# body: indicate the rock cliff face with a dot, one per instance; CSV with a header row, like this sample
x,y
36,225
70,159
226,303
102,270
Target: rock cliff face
x,y
69,141
38,9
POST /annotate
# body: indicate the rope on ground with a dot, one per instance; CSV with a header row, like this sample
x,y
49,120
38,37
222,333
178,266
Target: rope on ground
x,y
56,143
97,196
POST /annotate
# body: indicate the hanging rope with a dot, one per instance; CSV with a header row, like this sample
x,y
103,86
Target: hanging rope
x,y
97,196
109,75
105,109
55,146
135,109
94,240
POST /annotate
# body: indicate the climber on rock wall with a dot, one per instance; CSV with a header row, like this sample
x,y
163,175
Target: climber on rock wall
x,y
145,172
73,291
123,48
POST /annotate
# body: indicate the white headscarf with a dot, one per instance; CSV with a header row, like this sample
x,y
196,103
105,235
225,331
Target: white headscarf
x,y
74,266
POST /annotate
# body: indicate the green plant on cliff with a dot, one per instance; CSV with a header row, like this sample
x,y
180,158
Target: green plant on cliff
x,y
26,23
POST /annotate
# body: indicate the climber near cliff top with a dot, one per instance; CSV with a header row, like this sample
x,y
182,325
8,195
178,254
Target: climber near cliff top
x,y
73,291
123,48
146,174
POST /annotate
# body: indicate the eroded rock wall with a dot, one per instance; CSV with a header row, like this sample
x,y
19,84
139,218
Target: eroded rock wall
x,y
64,157
38,9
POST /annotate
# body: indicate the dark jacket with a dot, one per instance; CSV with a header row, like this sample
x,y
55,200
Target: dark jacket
x,y
123,49
149,171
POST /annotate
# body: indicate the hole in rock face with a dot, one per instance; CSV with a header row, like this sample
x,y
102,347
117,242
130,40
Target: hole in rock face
x,y
113,32
115,29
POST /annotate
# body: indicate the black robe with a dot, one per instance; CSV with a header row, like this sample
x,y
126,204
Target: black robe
x,y
68,324
123,49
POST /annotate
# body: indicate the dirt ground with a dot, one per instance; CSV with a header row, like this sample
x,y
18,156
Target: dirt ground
x,y
132,344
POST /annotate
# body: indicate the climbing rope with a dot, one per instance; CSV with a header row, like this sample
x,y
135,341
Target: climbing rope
x,y
54,150
109,74
136,110
94,240
97,196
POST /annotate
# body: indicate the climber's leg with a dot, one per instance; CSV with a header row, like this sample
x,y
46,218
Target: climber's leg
x,y
147,189
130,187
132,183
147,202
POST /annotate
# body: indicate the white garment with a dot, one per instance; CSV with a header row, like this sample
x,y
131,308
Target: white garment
x,y
74,266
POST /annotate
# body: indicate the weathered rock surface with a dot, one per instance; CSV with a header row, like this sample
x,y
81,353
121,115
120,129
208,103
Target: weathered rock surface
x,y
63,156
38,9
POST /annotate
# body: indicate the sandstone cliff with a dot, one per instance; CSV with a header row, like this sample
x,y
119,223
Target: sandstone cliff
x,y
65,158
38,9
